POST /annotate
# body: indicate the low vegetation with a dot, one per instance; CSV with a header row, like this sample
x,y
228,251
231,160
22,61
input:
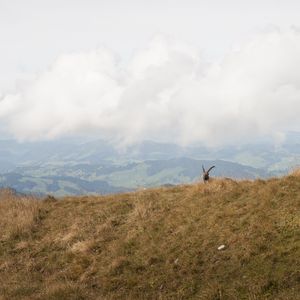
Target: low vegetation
x,y
18,215
155,244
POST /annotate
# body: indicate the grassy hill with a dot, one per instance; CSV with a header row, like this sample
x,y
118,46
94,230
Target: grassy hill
x,y
155,244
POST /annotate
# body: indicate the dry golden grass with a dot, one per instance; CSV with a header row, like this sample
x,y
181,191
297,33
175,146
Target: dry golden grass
x,y
296,172
157,244
18,215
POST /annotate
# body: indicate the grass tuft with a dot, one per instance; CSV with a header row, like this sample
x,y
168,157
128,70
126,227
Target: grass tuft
x,y
18,216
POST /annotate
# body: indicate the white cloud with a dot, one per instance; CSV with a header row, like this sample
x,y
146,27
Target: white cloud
x,y
165,92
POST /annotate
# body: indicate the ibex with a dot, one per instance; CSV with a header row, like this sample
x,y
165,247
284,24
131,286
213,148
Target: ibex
x,y
206,174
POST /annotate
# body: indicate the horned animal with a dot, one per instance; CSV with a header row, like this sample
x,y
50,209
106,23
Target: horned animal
x,y
206,174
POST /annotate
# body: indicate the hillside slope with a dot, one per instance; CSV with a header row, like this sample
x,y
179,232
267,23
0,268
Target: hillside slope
x,y
155,244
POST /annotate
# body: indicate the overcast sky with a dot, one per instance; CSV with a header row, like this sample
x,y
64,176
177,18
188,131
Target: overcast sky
x,y
184,71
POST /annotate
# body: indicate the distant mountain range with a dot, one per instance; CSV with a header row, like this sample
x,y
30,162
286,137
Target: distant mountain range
x,y
83,167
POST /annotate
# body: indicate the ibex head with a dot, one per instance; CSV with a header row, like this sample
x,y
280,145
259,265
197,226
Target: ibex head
x,y
206,173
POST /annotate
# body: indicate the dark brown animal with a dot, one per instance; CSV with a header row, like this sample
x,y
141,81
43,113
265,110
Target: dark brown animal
x,y
206,173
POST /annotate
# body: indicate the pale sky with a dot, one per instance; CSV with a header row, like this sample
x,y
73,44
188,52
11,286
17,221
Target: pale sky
x,y
34,33
125,45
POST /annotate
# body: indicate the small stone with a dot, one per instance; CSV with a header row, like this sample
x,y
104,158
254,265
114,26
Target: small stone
x,y
222,247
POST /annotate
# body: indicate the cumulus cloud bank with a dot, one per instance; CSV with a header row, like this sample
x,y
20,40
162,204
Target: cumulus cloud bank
x,y
165,92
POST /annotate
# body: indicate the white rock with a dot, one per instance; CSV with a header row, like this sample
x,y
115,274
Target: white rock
x,y
221,247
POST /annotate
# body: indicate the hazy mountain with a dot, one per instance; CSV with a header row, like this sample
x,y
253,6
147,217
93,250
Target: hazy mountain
x,y
262,154
106,178
76,166
57,185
